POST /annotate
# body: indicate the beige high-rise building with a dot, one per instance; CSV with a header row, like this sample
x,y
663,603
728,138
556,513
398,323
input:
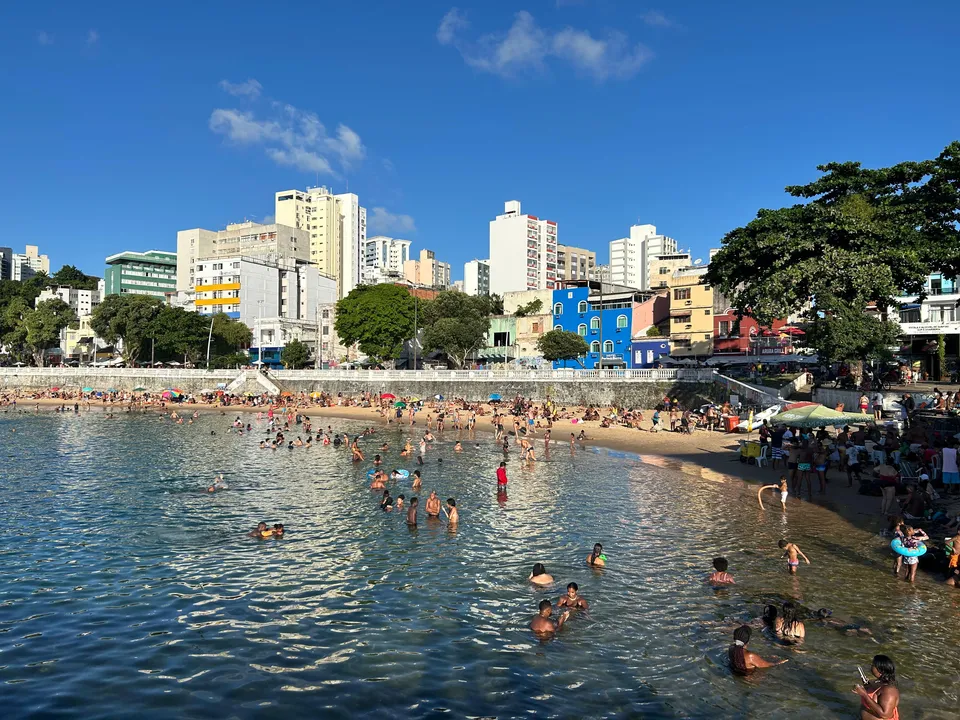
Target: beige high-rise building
x,y
662,268
427,271
575,263
337,228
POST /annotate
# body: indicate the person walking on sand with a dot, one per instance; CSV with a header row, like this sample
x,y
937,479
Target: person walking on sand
x,y
792,552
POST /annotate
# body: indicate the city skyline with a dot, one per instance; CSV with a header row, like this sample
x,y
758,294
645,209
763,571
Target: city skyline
x,y
690,119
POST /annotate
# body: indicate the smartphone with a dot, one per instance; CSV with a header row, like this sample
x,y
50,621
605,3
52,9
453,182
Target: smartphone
x,y
862,676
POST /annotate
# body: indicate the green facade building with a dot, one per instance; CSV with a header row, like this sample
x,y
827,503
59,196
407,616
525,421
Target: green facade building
x,y
151,273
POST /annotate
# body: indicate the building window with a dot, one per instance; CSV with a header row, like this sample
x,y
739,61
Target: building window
x,y
582,306
621,321
595,347
595,323
582,330
724,328
664,270
942,313
681,320
707,311
910,316
558,309
681,294
608,346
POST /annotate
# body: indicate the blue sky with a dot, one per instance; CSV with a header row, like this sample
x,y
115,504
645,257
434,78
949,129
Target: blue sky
x,y
124,122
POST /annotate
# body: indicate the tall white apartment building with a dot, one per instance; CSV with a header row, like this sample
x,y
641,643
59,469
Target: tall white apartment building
x,y
276,241
476,277
383,259
82,302
632,257
22,266
337,229
523,251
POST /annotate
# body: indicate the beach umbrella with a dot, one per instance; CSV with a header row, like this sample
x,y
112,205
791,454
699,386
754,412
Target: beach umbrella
x,y
399,404
316,395
87,389
111,390
286,393
139,388
54,389
438,397
810,416
495,397
388,396
166,395
414,399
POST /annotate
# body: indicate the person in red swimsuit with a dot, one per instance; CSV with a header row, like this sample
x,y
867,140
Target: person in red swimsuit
x,y
879,698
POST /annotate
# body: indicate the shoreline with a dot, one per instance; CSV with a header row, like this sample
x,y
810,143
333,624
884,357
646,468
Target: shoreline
x,y
709,454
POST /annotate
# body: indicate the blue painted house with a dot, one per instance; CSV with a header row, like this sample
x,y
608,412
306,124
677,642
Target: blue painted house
x,y
647,352
577,308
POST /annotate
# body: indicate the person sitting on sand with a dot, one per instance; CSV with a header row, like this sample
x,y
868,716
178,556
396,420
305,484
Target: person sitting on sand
x,y
543,625
742,661
720,576
539,575
597,558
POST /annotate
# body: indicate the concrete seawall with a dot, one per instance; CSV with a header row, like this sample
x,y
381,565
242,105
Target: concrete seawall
x,y
565,390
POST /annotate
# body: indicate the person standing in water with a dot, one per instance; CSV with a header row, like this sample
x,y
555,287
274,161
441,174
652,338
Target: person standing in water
x,y
572,599
880,698
720,576
453,515
597,558
792,553
412,512
502,477
543,625
742,661
539,575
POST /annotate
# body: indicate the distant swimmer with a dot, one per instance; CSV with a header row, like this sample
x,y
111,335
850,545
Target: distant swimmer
x,y
457,447
264,532
573,598
417,480
401,498
597,558
545,626
386,502
433,505
788,626
742,661
378,481
412,512
539,575
377,460
792,553
218,484
720,576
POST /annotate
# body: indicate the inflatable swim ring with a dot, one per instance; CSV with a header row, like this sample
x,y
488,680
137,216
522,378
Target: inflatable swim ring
x,y
402,474
907,552
372,471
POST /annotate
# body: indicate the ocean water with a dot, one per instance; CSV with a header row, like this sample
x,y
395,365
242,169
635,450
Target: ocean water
x,y
127,590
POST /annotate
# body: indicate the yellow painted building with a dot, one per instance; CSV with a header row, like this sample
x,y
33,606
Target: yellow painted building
x,y
691,314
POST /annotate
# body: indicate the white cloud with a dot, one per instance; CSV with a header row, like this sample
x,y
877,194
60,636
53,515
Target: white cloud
x,y
382,220
656,18
251,88
44,38
292,137
452,22
525,46
93,37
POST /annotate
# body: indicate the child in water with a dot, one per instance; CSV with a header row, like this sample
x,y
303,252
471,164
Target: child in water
x,y
720,576
792,552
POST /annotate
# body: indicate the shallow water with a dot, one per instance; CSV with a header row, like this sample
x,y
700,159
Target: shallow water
x,y
125,586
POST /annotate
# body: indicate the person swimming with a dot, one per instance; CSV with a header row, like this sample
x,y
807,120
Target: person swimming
x,y
597,558
788,626
543,625
539,575
218,484
572,599
742,661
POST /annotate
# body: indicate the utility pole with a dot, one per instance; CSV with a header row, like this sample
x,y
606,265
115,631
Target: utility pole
x,y
415,308
209,339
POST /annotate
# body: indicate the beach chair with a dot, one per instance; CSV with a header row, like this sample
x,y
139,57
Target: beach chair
x,y
908,474
762,459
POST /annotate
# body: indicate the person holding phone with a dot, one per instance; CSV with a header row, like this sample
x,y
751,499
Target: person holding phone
x,y
879,698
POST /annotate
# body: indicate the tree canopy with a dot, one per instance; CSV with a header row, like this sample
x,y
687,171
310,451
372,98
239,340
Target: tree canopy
x,y
43,325
295,355
860,236
70,276
531,308
129,319
456,324
849,333
378,318
561,345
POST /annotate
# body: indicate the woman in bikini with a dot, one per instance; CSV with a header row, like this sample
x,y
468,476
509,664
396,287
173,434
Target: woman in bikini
x,y
742,661
879,698
787,626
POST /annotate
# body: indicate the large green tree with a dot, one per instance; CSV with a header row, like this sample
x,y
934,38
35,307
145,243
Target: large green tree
x,y
560,346
70,276
860,236
456,324
177,333
850,333
13,330
379,318
128,319
294,355
43,325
